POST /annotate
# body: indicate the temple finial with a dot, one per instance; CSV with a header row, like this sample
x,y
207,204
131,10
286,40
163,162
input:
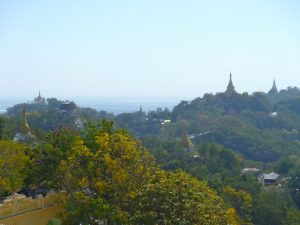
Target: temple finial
x,y
274,89
230,87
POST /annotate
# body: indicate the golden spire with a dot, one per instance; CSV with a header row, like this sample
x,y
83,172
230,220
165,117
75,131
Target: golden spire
x,y
25,127
186,141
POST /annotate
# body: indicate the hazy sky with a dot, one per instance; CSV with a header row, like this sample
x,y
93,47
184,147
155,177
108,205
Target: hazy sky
x,y
150,48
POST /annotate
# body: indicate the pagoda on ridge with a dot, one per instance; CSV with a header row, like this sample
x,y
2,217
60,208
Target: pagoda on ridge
x,y
230,88
39,100
274,89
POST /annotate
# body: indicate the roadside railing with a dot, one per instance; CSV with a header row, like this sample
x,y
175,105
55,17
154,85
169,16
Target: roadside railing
x,y
18,203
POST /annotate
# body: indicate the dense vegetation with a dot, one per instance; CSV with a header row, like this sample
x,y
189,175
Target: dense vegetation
x,y
109,174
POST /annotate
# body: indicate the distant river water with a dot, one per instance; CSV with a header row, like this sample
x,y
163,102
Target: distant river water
x,y
112,105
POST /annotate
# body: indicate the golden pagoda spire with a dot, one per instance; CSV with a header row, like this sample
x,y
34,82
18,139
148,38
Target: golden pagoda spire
x,y
186,141
25,127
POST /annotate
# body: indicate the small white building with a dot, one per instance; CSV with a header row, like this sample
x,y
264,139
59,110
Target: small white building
x,y
164,122
273,114
251,170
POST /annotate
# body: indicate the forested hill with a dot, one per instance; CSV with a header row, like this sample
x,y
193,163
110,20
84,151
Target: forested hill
x,y
49,116
259,126
211,137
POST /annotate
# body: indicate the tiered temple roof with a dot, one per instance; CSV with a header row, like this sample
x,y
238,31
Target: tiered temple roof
x,y
39,99
230,87
274,89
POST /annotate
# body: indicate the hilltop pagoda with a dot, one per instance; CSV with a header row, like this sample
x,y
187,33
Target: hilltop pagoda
x,y
274,89
230,87
39,100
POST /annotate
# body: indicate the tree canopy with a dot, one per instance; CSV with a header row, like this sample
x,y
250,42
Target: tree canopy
x,y
12,164
120,181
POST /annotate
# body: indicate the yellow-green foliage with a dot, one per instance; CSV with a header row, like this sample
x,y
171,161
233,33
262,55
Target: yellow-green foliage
x,y
233,218
109,175
120,181
12,164
241,200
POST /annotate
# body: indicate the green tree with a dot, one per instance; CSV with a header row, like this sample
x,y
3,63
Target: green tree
x,y
2,122
293,216
294,186
12,164
110,175
240,200
270,208
177,198
101,181
45,158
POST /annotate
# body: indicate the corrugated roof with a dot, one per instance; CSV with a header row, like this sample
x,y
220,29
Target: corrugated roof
x,y
270,176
